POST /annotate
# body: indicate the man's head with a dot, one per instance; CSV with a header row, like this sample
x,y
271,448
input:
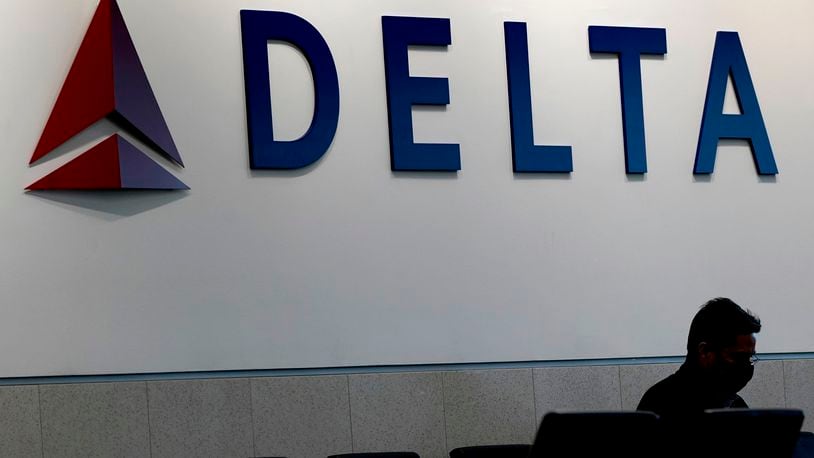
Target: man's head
x,y
722,342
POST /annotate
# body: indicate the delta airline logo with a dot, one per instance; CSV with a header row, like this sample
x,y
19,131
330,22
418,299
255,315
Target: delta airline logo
x,y
107,80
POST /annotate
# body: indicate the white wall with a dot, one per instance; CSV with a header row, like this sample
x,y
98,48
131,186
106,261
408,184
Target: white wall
x,y
347,263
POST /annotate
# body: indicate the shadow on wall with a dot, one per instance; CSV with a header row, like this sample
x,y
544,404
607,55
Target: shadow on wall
x,y
110,204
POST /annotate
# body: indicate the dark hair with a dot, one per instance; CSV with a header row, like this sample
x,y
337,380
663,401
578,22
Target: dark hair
x,y
719,322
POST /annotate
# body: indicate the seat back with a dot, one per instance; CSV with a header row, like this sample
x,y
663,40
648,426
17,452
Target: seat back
x,y
749,433
805,446
377,455
628,434
492,451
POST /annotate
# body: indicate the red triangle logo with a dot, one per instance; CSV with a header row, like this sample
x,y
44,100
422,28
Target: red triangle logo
x,y
97,168
87,94
112,164
107,79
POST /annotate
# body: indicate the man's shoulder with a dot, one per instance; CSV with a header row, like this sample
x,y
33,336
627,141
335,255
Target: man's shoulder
x,y
739,403
663,393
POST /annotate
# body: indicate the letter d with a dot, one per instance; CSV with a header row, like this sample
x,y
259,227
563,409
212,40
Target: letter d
x,y
258,28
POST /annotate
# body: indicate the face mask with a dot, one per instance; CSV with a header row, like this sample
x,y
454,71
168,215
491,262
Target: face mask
x,y
733,378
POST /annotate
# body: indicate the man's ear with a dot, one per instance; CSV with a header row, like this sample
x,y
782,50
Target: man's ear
x,y
706,357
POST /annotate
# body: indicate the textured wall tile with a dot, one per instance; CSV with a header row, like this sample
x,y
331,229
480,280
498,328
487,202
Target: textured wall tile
x,y
398,412
799,377
301,417
95,419
20,422
489,407
200,418
765,390
577,388
636,379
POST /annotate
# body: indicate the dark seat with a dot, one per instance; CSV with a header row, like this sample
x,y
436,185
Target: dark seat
x,y
596,434
749,433
492,451
805,446
377,455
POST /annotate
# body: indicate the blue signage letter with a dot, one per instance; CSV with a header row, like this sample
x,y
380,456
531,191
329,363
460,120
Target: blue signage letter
x,y
404,91
526,156
630,43
728,60
258,28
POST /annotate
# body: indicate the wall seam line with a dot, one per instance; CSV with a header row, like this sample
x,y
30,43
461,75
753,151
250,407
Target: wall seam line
x,y
149,423
785,396
39,408
251,413
350,415
444,408
619,373
534,406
